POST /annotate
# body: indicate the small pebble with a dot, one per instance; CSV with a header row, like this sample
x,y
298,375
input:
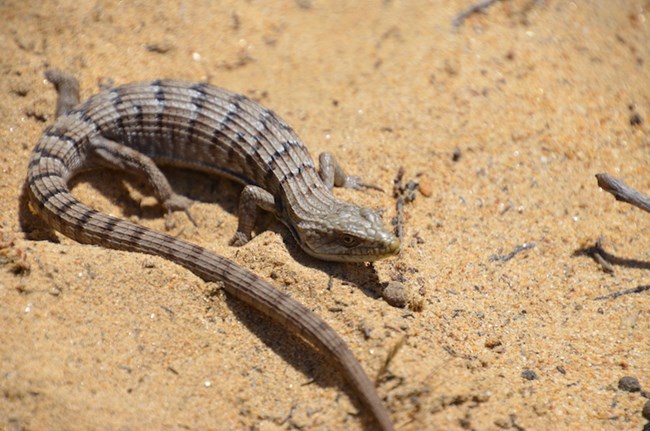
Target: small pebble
x,y
395,294
493,342
456,155
529,375
629,384
426,189
635,120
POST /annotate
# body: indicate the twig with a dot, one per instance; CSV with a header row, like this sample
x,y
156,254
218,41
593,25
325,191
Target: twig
x,y
597,252
637,289
477,7
606,266
390,356
513,253
622,192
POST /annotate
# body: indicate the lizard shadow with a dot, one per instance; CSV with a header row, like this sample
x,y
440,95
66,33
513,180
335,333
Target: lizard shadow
x,y
214,190
296,352
225,193
597,251
199,187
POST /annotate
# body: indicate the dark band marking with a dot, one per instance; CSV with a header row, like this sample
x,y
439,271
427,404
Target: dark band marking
x,y
231,115
283,125
67,205
159,95
136,232
41,175
301,169
85,217
111,223
47,196
117,103
265,116
218,136
199,102
279,153
257,141
83,114
51,133
196,250
139,116
236,99
228,118
45,153
35,160
268,176
158,118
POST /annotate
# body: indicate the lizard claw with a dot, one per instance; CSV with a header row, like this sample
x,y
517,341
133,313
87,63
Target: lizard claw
x,y
239,239
178,203
356,183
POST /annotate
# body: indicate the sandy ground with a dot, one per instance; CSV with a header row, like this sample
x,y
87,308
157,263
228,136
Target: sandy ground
x,y
504,123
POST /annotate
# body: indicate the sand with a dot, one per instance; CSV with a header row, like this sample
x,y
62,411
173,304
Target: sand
x,y
503,122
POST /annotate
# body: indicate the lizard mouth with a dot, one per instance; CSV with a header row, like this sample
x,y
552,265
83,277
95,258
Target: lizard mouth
x,y
360,254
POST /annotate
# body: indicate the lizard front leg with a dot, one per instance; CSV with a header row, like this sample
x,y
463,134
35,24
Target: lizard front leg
x,y
111,154
251,200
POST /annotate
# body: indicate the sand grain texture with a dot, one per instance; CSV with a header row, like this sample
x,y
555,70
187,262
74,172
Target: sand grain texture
x,y
505,122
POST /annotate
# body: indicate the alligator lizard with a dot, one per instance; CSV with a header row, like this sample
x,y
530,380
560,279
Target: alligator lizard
x,y
135,127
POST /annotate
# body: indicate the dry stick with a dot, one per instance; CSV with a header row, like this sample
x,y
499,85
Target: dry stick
x,y
622,192
637,289
475,8
607,267
513,253
628,195
391,355
599,255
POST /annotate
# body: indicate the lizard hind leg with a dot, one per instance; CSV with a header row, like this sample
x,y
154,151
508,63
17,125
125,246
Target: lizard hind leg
x,y
333,175
67,90
111,154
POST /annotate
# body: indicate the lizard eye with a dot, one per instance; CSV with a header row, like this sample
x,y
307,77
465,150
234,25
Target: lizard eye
x,y
349,240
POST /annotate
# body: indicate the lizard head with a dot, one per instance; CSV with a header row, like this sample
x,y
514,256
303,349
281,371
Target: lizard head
x,y
347,233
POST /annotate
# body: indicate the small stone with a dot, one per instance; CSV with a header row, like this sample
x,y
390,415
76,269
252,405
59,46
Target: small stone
x,y
629,384
395,294
492,342
529,375
635,120
425,187
457,154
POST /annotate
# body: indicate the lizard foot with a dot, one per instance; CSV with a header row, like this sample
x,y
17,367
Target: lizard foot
x,y
356,183
177,203
239,239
